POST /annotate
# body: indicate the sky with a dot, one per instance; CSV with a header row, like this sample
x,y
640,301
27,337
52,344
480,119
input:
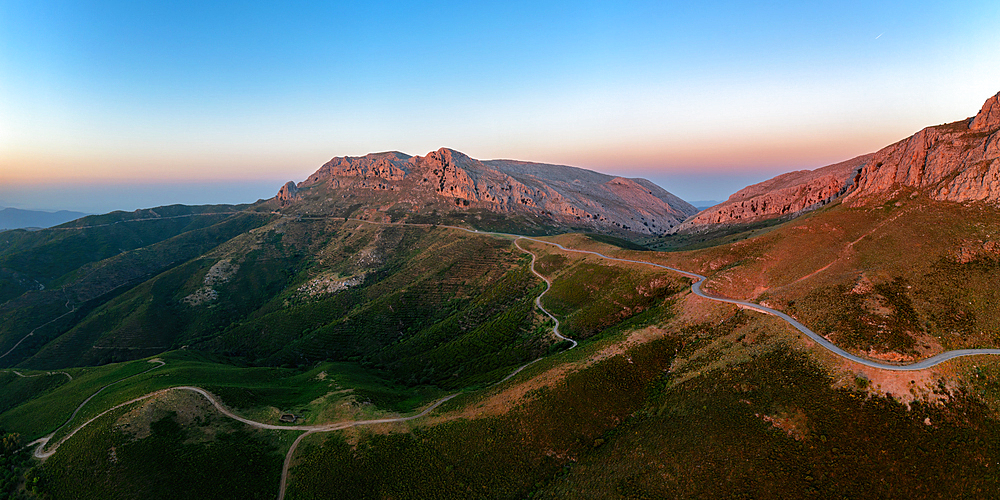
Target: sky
x,y
118,105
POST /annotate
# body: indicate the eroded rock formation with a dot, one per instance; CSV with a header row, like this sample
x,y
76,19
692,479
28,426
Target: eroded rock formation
x,y
957,162
446,177
954,162
785,194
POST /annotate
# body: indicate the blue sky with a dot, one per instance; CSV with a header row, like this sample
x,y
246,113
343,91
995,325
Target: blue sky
x,y
701,97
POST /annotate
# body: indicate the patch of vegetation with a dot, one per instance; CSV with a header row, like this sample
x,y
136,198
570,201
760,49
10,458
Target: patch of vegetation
x,y
14,461
774,428
101,461
723,235
249,390
616,241
15,390
956,299
590,297
882,319
488,220
49,407
494,457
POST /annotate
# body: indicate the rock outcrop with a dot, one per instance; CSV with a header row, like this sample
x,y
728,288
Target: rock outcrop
x,y
958,162
786,194
988,117
287,192
449,179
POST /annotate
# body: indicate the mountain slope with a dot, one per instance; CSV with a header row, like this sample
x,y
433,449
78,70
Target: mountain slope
x,y
449,181
957,162
786,194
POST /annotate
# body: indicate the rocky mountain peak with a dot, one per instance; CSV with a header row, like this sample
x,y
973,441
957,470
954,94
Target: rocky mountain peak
x,y
287,192
988,117
953,162
447,179
957,162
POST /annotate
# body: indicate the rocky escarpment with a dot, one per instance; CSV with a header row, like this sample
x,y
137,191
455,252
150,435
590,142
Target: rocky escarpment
x,y
954,162
958,162
785,194
448,179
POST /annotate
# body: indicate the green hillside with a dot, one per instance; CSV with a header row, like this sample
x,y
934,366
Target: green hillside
x,y
349,326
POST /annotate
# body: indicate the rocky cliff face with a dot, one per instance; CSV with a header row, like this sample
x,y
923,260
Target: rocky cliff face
x,y
286,193
954,162
785,194
448,179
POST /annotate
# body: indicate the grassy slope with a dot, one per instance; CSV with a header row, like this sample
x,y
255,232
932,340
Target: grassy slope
x,y
491,457
589,296
886,278
764,420
710,437
52,312
432,302
30,258
16,390
744,415
254,391
103,461
435,306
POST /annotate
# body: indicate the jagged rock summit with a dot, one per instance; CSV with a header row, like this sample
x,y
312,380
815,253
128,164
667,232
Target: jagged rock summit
x,y
447,180
957,162
988,117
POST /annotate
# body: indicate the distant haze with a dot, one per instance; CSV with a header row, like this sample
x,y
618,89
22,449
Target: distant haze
x,y
103,198
14,218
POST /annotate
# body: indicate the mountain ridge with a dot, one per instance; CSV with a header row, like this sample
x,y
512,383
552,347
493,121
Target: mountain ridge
x,y
446,179
957,162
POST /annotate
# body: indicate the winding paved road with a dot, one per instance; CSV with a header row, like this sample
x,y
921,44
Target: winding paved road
x,y
538,302
819,339
696,289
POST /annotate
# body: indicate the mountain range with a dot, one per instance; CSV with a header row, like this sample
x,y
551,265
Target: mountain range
x,y
438,326
951,162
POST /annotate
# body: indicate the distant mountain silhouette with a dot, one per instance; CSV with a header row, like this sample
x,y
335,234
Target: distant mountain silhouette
x,y
15,218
